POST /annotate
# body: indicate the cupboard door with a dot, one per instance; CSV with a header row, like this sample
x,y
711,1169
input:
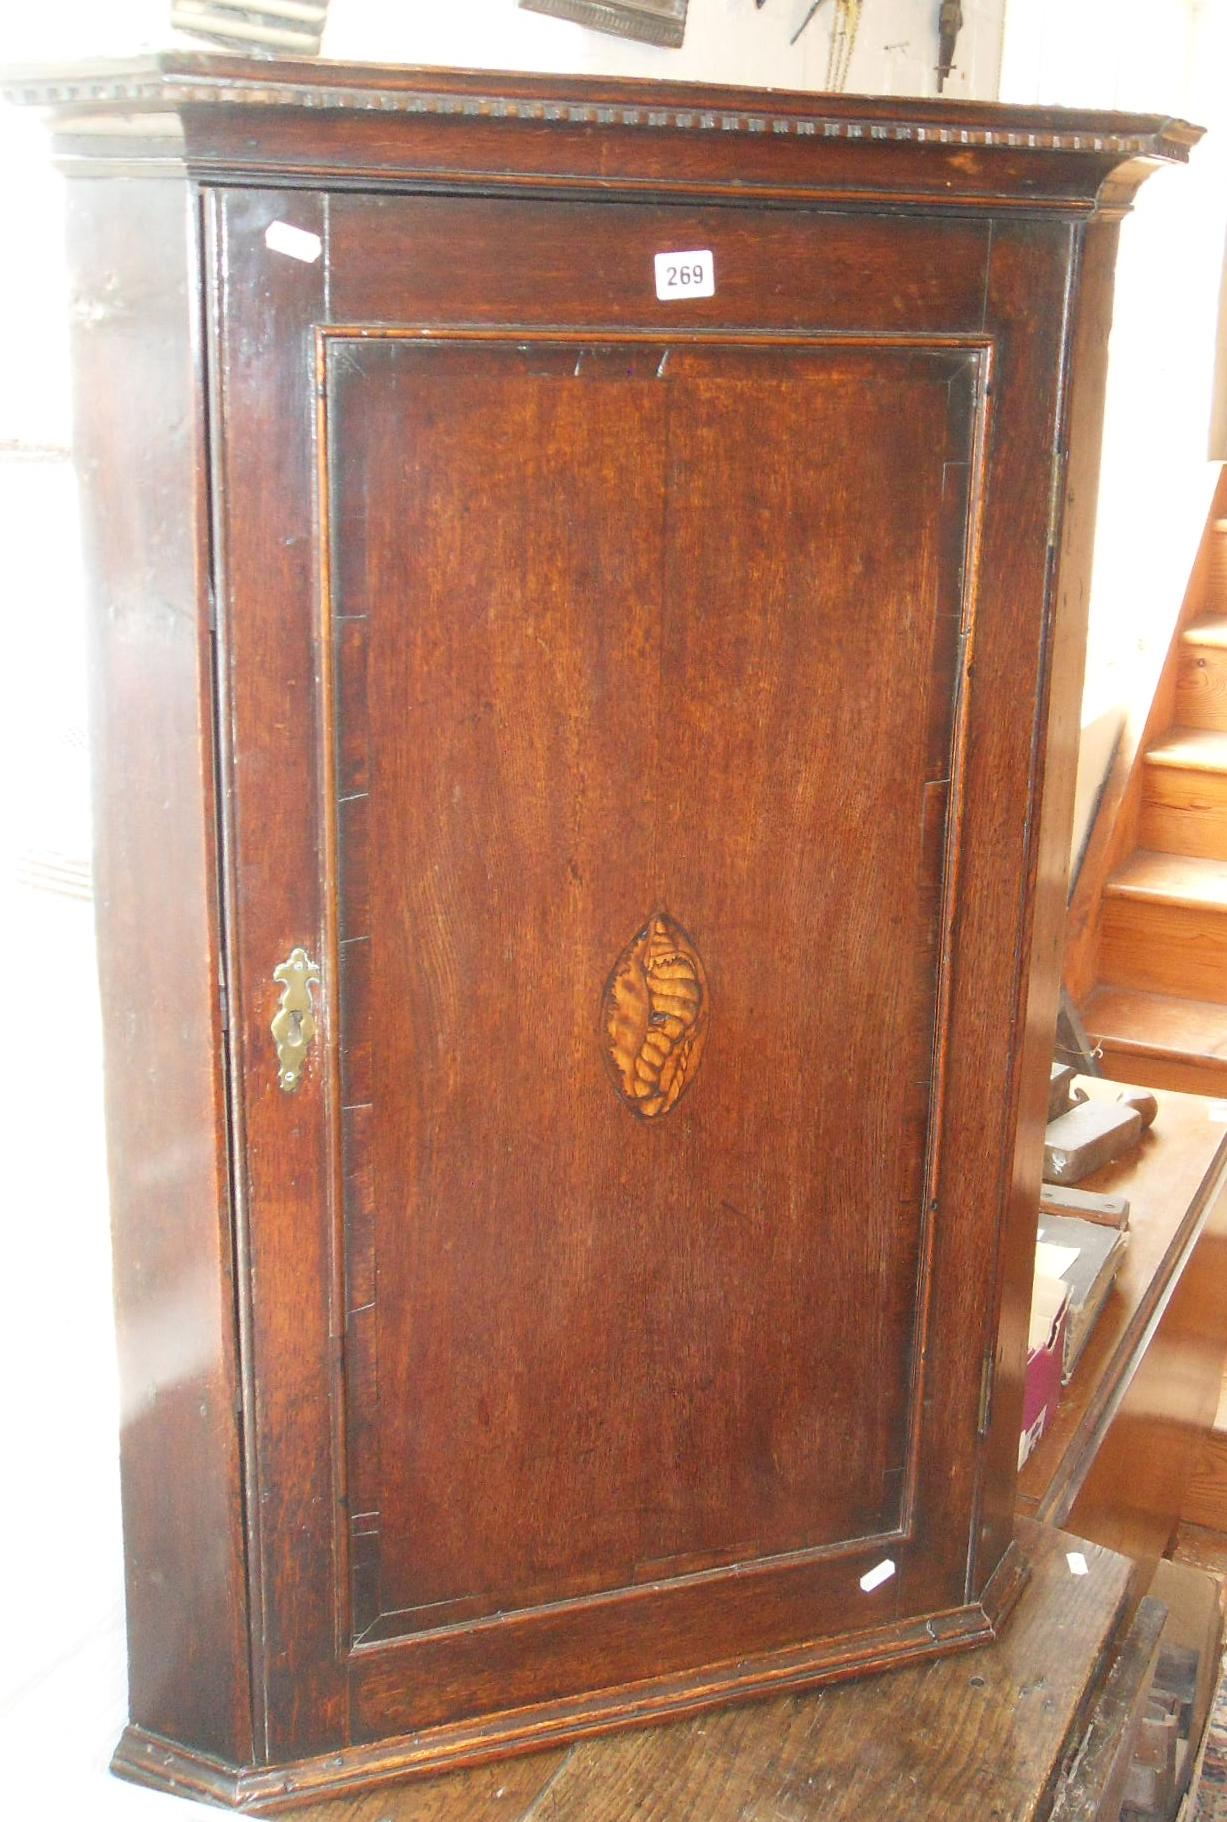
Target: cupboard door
x,y
618,1304
642,705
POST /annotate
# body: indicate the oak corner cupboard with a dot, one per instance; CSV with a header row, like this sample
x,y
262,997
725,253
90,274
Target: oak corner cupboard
x,y
588,608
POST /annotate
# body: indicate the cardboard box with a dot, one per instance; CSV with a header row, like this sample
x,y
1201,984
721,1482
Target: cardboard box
x,y
1045,1357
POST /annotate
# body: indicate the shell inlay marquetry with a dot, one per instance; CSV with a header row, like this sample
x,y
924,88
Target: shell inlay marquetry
x,y
654,1017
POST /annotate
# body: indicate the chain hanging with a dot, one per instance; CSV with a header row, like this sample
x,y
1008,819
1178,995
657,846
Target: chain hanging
x,y
844,28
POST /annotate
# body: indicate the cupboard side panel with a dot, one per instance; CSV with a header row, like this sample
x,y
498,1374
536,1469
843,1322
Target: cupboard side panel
x,y
139,446
1058,732
987,1199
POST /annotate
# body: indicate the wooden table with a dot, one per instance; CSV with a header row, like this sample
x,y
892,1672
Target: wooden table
x,y
981,1737
1119,1457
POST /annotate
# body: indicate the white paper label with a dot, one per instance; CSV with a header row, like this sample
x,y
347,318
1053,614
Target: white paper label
x,y
686,274
875,1577
1077,1562
299,243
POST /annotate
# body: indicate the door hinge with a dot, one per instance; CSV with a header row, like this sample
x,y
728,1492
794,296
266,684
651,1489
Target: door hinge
x,y
987,1375
1056,496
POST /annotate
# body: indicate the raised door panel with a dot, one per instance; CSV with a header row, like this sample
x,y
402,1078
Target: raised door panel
x,y
643,712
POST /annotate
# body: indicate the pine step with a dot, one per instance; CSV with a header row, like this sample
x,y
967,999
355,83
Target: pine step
x,y
1159,1040
1171,879
1164,926
1201,675
1211,631
1191,750
1184,802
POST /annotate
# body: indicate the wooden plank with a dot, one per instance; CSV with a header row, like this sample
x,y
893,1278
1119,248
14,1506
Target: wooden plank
x,y
1193,823
1048,562
1191,750
510,1791
1096,1782
479,813
267,666
1181,1031
946,1741
527,130
139,442
893,274
1172,879
1165,948
1184,809
1185,795
1197,1076
1201,676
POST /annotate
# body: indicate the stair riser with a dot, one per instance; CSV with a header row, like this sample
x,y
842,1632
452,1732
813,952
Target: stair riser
x,y
1217,576
1184,812
1165,948
1201,688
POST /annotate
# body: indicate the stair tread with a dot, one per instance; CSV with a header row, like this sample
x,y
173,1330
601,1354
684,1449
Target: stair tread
x,y
1158,1024
1197,749
1171,879
1210,631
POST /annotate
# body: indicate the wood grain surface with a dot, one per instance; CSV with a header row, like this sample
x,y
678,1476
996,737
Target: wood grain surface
x,y
579,702
546,608
319,121
273,854
139,445
1164,947
948,1742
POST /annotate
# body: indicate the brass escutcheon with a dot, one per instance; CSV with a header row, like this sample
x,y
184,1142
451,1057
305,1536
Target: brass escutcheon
x,y
293,1025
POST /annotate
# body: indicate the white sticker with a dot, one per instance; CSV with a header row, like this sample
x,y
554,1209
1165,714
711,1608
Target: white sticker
x,y
1077,1562
1217,1111
875,1577
299,243
686,274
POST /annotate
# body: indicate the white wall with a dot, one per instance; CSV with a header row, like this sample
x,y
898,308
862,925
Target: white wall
x,y
1166,56
726,41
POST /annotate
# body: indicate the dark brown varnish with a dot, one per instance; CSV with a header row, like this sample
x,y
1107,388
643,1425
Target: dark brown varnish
x,y
511,609
646,1353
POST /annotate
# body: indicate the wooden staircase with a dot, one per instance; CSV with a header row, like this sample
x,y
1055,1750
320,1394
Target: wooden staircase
x,y
1158,1006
